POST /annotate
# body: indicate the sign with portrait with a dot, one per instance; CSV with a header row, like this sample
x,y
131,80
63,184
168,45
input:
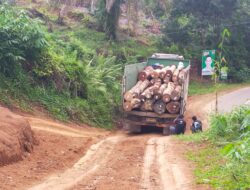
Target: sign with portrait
x,y
208,59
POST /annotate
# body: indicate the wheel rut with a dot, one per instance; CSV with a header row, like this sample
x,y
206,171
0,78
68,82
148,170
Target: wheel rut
x,y
97,155
161,162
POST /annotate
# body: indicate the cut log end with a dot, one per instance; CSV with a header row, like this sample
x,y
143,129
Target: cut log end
x,y
127,106
160,107
173,107
166,98
147,105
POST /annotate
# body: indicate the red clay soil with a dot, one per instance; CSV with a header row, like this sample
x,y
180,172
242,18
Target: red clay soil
x,y
54,154
16,137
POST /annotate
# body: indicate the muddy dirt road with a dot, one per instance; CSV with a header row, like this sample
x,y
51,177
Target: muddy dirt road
x,y
71,157
148,161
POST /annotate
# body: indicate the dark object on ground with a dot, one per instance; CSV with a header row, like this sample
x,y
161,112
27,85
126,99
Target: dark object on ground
x,y
196,125
180,126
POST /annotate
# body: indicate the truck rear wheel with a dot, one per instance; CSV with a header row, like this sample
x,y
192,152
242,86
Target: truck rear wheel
x,y
166,131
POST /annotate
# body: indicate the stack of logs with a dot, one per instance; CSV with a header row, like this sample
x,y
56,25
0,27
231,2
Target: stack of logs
x,y
157,90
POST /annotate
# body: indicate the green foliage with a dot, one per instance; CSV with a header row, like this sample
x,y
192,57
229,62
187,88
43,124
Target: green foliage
x,y
108,18
159,8
194,26
57,71
21,38
224,163
234,130
214,169
74,75
220,61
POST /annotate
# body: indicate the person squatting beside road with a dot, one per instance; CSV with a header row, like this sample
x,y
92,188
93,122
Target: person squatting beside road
x,y
180,126
196,125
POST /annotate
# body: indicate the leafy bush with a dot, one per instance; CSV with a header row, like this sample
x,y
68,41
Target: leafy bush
x,y
231,134
234,130
193,27
59,72
223,158
21,39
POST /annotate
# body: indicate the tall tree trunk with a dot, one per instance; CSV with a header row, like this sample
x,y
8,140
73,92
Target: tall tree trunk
x,y
112,18
93,6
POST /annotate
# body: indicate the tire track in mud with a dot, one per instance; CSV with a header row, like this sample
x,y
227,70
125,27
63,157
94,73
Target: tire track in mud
x,y
172,170
122,170
149,174
95,157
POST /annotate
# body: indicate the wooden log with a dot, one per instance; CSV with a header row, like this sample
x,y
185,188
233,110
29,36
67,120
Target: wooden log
x,y
170,71
157,83
158,94
134,103
176,83
147,105
167,92
167,79
175,75
159,107
182,76
163,72
149,92
152,82
145,74
129,95
176,94
155,73
173,107
141,88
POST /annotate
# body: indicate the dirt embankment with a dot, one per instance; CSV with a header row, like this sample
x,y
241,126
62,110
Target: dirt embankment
x,y
16,137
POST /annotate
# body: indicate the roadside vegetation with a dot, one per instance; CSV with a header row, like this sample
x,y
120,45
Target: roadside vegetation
x,y
222,154
70,63
73,73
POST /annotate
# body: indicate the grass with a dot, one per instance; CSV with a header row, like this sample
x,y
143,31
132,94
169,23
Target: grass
x,y
197,88
209,166
221,154
198,137
214,169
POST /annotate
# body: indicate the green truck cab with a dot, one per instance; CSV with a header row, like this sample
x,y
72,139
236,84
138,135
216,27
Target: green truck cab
x,y
135,120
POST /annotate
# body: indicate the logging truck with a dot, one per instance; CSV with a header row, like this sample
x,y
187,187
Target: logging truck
x,y
154,93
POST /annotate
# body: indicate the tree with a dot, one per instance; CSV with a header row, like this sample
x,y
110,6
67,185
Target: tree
x,y
197,24
108,15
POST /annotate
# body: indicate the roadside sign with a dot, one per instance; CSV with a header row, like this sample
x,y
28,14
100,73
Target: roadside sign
x,y
208,59
223,73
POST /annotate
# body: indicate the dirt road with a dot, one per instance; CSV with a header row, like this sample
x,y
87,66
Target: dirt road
x,y
71,157
88,159
147,161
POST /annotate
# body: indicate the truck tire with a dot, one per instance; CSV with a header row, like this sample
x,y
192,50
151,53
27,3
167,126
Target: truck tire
x,y
135,129
166,131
